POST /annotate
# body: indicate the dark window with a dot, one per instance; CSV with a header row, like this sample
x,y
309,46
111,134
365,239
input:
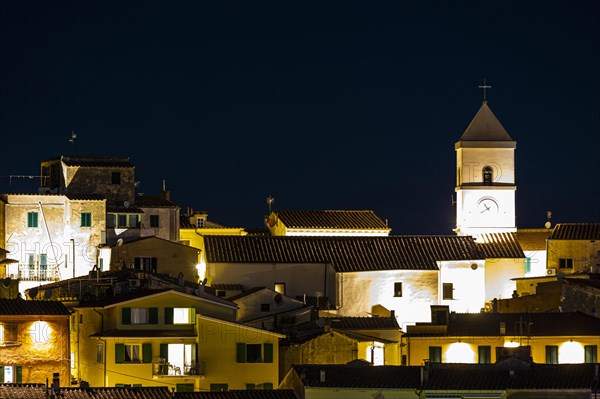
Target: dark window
x,y
146,264
448,291
134,221
435,354
488,175
116,177
219,387
32,219
86,219
221,293
265,307
250,387
551,354
121,221
484,354
591,353
398,289
185,387
111,220
153,220
565,263
254,353
100,353
8,333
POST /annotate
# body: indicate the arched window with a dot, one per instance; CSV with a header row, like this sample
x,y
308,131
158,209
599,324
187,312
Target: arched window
x,y
488,175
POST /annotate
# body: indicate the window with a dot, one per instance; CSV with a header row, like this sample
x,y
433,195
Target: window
x,y
488,175
591,354
527,265
219,387
398,289
484,354
265,307
565,263
116,177
11,374
435,354
111,220
280,288
145,264
139,316
448,291
221,293
184,387
551,354
32,219
180,315
133,353
181,359
123,220
86,219
153,220
8,334
200,223
250,387
100,353
254,353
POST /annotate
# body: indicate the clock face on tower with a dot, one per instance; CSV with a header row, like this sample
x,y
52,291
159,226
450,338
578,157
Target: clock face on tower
x,y
487,206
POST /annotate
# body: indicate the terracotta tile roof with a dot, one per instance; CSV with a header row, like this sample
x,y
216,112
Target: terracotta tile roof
x,y
319,303
99,303
576,231
360,376
115,393
331,219
22,391
246,293
108,162
114,208
17,307
145,333
533,239
185,223
518,324
228,287
240,394
363,323
499,245
346,254
86,197
362,337
153,201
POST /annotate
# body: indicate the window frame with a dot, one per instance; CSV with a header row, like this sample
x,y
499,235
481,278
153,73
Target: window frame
x,y
115,178
551,354
155,221
32,219
398,289
590,353
435,354
484,354
565,263
9,330
86,219
447,291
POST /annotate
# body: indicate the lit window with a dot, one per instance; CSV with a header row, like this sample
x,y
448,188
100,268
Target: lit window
x,y
132,353
139,315
398,289
181,315
32,219
280,288
86,219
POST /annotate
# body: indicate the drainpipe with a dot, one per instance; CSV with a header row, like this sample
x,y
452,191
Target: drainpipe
x,y
103,343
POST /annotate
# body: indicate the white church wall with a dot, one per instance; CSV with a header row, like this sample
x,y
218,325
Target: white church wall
x,y
468,283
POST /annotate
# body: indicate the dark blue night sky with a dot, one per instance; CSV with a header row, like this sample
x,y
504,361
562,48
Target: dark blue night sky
x,y
323,105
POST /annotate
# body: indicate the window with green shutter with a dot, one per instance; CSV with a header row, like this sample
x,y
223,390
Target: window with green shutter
x,y
241,352
268,353
591,353
18,374
1,374
153,316
164,351
32,219
168,315
484,354
119,353
267,386
551,354
86,219
250,387
147,353
219,387
126,315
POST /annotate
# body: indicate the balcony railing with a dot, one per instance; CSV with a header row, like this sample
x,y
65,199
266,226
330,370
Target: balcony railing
x,y
38,273
162,368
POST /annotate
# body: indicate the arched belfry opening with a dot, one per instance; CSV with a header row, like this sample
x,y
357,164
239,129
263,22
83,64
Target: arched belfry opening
x,y
488,175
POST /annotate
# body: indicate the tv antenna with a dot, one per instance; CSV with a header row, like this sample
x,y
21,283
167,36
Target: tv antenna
x,y
270,202
73,137
548,224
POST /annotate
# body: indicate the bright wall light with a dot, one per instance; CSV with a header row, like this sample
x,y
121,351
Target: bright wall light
x,y
511,344
460,352
571,352
201,268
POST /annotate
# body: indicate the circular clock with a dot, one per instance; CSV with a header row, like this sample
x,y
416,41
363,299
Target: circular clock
x,y
487,206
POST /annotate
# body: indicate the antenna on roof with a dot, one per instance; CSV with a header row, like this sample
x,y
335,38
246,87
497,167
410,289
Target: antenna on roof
x,y
548,224
73,137
270,202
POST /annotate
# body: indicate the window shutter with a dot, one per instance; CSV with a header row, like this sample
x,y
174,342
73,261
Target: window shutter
x,y
194,353
192,316
1,374
19,374
241,352
268,353
268,386
119,353
164,351
153,316
154,265
146,353
168,315
126,315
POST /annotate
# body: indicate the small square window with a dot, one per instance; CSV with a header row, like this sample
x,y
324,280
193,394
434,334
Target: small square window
x,y
398,289
153,220
280,288
565,263
86,219
116,177
265,307
448,291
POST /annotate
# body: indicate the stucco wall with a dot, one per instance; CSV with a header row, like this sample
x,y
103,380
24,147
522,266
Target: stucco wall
x,y
498,275
250,305
583,253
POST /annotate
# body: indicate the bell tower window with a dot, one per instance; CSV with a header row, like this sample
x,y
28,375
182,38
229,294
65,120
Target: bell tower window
x,y
488,175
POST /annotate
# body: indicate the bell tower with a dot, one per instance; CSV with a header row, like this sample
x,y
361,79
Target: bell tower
x,y
485,177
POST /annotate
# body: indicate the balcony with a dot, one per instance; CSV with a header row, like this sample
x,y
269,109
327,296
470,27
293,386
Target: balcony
x,y
161,369
38,273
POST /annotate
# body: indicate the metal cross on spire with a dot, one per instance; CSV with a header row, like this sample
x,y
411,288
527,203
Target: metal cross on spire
x,y
485,87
